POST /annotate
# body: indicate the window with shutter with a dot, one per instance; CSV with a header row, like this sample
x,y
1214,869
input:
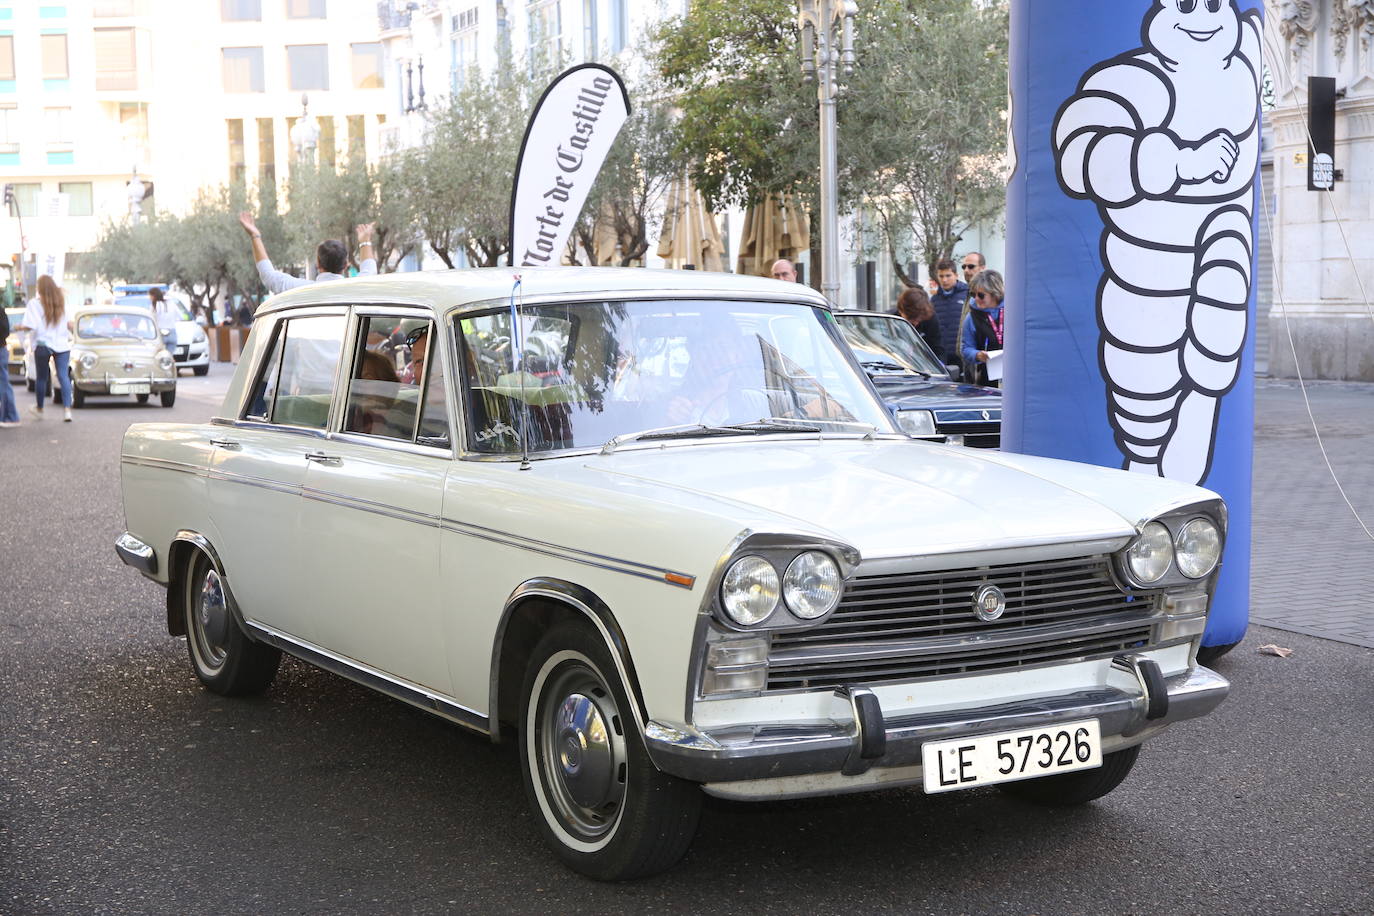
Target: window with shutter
x,y
115,63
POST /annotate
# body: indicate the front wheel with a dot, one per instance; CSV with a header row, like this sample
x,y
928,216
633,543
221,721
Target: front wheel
x,y
168,398
78,397
1079,787
600,802
141,398
224,658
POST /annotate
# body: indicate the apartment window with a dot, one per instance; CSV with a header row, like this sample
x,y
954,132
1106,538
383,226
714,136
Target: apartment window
x,y
26,197
9,128
357,140
305,9
243,70
54,53
133,124
308,66
6,57
238,167
115,62
328,144
545,32
589,36
267,152
59,126
240,10
367,65
104,8
620,26
78,197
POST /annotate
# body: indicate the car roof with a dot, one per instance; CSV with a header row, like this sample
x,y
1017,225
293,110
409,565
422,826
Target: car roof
x,y
448,288
115,309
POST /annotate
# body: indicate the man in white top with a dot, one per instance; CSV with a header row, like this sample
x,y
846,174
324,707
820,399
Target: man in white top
x,y
331,258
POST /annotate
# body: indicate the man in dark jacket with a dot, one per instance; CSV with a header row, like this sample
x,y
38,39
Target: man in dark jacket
x,y
948,301
9,411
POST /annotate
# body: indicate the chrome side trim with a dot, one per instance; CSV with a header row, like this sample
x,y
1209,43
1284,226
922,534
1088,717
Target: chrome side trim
x,y
355,671
251,481
164,464
367,505
572,554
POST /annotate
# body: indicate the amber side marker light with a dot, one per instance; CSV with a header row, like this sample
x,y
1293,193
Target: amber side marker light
x,y
679,579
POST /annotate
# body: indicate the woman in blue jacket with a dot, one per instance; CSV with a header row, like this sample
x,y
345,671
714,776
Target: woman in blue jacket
x,y
981,333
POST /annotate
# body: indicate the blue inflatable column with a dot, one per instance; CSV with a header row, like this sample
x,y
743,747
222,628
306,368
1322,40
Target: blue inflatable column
x,y
1131,247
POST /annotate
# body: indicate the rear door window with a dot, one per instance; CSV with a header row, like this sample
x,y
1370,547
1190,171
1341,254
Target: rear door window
x,y
297,382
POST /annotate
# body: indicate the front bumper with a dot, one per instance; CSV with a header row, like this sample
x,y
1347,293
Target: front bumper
x,y
760,761
193,355
101,384
137,554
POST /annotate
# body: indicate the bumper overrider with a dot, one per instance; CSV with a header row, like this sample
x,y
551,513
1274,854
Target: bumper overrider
x,y
870,751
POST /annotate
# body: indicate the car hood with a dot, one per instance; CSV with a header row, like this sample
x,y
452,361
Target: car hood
x,y
906,392
885,497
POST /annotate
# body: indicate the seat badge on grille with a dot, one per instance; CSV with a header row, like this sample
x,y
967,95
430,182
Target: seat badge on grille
x,y
989,603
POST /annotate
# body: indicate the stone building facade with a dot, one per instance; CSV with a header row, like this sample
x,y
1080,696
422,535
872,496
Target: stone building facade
x,y
1323,241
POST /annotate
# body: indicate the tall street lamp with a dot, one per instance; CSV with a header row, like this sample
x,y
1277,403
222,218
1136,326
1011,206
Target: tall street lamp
x,y
827,47
305,133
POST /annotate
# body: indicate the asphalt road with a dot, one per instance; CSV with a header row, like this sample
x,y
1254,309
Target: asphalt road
x,y
125,788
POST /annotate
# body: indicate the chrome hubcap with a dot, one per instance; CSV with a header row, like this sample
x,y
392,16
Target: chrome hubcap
x,y
212,613
583,751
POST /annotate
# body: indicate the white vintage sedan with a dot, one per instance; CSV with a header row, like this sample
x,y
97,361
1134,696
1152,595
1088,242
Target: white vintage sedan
x,y
659,526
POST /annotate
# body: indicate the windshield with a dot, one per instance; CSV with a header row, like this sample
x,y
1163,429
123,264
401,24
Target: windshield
x,y
178,309
593,371
877,339
120,325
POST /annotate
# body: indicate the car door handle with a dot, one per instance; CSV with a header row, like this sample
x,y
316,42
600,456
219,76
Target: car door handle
x,y
228,445
322,458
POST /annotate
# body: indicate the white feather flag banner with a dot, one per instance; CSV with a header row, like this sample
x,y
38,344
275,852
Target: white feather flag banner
x,y
569,135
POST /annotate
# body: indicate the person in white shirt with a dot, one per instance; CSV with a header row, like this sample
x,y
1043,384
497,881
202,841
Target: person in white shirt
x,y
331,258
46,317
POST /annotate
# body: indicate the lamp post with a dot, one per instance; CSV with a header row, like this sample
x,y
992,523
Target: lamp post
x,y
305,133
827,48
135,190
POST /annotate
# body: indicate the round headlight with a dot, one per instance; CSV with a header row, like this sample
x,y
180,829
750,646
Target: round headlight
x,y
811,586
88,360
750,590
1197,548
1151,553
916,422
165,360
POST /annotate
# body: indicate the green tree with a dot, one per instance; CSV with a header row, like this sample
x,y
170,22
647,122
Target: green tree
x,y
920,134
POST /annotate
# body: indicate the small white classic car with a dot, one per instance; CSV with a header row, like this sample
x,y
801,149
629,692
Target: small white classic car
x,y
118,350
659,526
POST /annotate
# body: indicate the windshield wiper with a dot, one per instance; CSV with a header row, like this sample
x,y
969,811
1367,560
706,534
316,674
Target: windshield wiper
x,y
776,425
892,367
686,431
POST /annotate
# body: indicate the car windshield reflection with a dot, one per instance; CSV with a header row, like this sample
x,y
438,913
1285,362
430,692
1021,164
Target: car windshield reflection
x,y
590,374
126,326
888,343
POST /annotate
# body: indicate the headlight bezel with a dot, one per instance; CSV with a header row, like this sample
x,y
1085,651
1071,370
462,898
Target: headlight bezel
x,y
1174,521
917,423
780,552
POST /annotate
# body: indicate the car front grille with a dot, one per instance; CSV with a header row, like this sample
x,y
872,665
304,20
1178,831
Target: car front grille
x,y
908,626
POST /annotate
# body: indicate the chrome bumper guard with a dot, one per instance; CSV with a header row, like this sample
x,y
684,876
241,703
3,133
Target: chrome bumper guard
x,y
770,751
102,384
137,554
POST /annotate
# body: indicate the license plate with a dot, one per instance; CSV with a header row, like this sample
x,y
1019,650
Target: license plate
x,y
129,388
963,763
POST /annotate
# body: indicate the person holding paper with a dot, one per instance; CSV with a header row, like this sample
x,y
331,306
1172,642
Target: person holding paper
x,y
980,339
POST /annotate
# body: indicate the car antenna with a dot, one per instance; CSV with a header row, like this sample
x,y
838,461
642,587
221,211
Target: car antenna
x,y
518,342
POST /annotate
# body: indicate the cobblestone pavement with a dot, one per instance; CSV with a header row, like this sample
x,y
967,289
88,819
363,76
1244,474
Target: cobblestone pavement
x,y
1313,565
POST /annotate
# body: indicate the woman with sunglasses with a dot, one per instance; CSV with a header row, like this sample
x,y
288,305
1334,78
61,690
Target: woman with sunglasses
x,y
982,330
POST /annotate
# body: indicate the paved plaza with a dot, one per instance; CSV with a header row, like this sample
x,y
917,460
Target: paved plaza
x,y
1313,564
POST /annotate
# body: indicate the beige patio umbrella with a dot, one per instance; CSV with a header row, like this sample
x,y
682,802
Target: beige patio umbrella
x,y
689,233
777,227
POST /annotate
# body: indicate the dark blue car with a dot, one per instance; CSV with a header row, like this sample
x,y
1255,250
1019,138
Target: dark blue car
x,y
927,403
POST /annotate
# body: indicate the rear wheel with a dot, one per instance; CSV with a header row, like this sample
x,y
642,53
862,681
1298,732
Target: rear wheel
x,y
168,397
224,658
598,799
1079,787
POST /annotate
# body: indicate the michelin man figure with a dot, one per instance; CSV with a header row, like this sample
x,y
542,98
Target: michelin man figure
x,y
1165,139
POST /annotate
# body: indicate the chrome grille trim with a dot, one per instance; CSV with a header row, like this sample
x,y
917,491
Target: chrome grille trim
x,y
911,625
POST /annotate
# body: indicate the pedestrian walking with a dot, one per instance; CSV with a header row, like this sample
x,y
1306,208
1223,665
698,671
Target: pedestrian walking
x,y
46,316
981,335
165,314
9,411
331,258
